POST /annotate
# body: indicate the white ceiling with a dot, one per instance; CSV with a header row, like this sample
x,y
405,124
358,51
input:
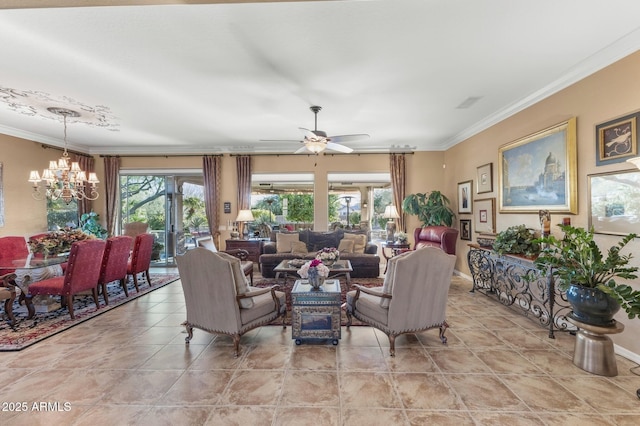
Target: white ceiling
x,y
218,78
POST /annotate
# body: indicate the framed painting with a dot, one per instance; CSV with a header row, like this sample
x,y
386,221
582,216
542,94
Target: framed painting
x,y
538,172
484,215
464,197
465,229
617,140
485,179
613,202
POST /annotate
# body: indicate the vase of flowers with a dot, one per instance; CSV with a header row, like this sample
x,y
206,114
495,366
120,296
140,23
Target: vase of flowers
x,y
328,255
315,271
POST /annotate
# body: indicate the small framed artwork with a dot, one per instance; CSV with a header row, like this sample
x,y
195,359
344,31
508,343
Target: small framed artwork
x,y
464,197
617,140
485,179
539,171
484,215
227,207
613,206
465,229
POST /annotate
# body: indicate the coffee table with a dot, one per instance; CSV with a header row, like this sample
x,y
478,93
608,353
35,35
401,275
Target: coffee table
x,y
315,314
338,269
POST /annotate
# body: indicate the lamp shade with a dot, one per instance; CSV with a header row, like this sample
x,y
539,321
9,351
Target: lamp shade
x,y
635,161
390,212
245,216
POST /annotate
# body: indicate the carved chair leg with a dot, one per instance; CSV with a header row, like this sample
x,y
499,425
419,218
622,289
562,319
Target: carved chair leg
x,y
69,299
146,274
123,283
135,283
348,318
104,293
8,309
236,345
443,329
189,328
284,319
94,292
392,344
29,304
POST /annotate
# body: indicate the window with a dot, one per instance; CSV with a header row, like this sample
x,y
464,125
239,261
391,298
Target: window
x,y
61,215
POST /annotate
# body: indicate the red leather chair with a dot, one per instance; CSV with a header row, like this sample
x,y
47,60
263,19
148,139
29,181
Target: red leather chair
x,y
12,248
82,273
141,258
114,264
442,237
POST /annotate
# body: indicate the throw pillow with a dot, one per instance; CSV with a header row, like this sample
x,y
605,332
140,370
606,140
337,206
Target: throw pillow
x,y
240,279
284,241
346,246
359,241
298,247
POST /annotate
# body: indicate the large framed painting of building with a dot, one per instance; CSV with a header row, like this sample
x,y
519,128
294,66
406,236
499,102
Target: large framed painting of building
x,y
538,172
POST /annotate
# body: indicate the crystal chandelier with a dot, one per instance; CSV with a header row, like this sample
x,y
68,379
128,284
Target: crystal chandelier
x,y
64,180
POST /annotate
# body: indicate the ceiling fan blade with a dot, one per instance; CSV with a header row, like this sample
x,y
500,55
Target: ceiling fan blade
x,y
308,134
280,140
340,148
301,150
348,138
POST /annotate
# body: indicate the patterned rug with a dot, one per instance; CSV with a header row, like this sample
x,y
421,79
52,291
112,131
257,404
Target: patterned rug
x,y
288,286
29,331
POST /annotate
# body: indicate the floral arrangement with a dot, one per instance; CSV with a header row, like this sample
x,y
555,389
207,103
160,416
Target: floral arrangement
x,y
401,237
57,242
330,254
309,269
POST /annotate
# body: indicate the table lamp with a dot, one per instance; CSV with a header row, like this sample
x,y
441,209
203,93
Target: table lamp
x,y
391,213
245,216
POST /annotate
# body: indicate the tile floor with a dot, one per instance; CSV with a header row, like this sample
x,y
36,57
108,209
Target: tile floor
x,y
131,366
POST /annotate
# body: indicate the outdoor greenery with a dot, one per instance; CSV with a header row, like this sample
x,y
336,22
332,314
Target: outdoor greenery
x,y
432,209
517,240
577,259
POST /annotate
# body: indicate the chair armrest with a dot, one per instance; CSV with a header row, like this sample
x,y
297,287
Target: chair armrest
x,y
370,291
241,254
271,289
371,248
269,248
8,281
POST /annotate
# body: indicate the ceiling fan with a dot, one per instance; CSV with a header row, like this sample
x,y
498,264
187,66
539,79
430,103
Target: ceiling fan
x,y
316,141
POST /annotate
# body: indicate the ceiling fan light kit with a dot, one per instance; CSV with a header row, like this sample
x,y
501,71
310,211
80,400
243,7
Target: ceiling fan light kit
x,y
316,141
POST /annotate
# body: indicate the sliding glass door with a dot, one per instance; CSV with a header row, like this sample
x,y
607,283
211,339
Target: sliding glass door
x,y
171,204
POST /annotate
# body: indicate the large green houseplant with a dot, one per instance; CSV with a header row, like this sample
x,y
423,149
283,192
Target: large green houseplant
x,y
581,269
432,209
517,239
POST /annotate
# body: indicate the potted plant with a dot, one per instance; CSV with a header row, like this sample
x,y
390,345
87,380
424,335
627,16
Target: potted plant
x,y
517,240
589,278
432,209
90,224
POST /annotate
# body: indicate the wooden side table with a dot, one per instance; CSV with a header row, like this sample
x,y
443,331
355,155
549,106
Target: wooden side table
x,y
395,249
593,350
253,247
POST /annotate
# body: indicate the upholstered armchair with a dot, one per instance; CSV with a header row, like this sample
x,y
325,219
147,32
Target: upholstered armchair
x,y
8,294
114,264
243,255
12,248
83,270
140,260
133,229
413,296
442,237
219,299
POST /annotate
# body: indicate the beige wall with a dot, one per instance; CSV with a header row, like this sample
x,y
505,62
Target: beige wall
x,y
610,93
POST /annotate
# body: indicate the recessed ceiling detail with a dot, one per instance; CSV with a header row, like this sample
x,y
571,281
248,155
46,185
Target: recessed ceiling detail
x,y
36,103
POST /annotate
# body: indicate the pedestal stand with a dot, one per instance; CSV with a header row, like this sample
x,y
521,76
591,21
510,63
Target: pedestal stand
x,y
594,349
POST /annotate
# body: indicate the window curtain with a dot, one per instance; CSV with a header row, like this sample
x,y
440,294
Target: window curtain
x,y
87,164
398,182
211,170
243,169
112,192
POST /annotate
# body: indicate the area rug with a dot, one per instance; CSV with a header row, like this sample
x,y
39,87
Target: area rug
x,y
43,325
288,286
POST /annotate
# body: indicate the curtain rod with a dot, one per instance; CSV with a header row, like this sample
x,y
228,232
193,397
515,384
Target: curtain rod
x,y
161,155
57,148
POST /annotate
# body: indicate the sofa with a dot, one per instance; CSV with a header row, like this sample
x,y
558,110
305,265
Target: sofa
x,y
353,246
442,237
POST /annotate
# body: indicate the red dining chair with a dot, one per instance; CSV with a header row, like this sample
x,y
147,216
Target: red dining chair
x,y
12,248
82,273
114,264
141,258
